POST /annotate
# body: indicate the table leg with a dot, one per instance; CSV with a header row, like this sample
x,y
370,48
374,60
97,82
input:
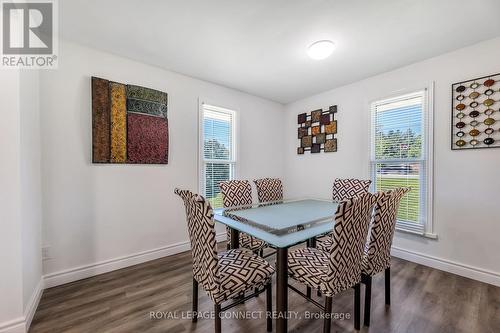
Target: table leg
x,y
312,242
235,238
282,290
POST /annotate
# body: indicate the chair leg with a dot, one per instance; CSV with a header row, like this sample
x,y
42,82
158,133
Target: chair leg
x,y
261,253
269,301
195,301
327,322
388,286
308,292
357,306
242,295
218,326
311,242
368,299
255,290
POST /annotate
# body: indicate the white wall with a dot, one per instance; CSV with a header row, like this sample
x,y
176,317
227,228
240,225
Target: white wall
x,y
11,300
20,200
31,194
466,183
95,213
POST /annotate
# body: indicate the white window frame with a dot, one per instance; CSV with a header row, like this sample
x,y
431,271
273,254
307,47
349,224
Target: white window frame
x,y
201,157
426,228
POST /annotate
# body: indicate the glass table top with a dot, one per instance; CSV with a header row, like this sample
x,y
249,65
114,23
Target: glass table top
x,y
281,224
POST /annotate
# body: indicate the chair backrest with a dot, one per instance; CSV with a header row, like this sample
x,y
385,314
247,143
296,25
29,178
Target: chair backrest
x,y
201,227
269,189
236,193
377,256
352,220
349,188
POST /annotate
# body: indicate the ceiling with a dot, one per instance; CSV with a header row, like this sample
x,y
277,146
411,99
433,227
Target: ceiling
x,y
259,46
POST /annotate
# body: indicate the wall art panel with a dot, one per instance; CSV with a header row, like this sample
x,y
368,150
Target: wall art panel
x,y
118,123
317,131
129,124
101,120
475,113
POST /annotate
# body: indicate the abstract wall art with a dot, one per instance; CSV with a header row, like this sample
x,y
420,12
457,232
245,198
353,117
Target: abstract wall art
x,y
475,114
129,124
317,130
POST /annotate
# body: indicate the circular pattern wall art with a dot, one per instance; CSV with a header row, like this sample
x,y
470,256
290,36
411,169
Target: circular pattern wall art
x,y
475,114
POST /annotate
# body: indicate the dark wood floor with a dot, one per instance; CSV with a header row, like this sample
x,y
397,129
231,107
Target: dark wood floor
x,y
423,300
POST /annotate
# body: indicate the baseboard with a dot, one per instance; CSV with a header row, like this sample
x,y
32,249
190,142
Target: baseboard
x,y
83,272
33,304
470,272
22,324
13,326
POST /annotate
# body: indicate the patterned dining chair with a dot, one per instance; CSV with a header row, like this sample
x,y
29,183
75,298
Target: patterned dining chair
x,y
224,275
269,189
238,193
349,188
343,189
340,268
377,255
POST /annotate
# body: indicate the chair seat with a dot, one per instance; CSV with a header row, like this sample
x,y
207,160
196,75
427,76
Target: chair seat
x,y
247,242
324,243
251,243
241,270
309,266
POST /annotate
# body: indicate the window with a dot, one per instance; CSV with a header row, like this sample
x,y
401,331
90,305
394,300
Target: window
x,y
218,153
401,155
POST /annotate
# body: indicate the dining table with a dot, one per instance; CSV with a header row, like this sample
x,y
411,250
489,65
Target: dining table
x,y
280,224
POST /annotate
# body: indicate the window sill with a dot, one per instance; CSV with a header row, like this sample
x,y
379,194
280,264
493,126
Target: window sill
x,y
425,234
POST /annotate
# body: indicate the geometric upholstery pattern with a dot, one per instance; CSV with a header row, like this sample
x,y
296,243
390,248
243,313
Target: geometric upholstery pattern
x,y
343,189
225,275
325,243
377,254
241,270
340,268
349,188
238,193
308,265
269,189
199,216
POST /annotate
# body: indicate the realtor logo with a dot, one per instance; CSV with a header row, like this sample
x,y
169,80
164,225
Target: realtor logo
x,y
29,34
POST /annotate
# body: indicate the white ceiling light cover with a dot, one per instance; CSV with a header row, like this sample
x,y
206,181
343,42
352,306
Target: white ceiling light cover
x,y
321,49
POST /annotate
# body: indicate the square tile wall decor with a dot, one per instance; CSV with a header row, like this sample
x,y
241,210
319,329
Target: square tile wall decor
x,y
475,114
316,131
129,124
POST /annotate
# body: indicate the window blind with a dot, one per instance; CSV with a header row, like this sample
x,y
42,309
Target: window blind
x,y
399,157
217,151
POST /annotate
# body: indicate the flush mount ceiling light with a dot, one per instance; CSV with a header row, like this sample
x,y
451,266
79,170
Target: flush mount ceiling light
x,y
320,49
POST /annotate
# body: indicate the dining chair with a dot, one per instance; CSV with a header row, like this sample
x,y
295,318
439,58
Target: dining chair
x,y
343,189
340,268
377,254
269,190
349,188
238,193
225,275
